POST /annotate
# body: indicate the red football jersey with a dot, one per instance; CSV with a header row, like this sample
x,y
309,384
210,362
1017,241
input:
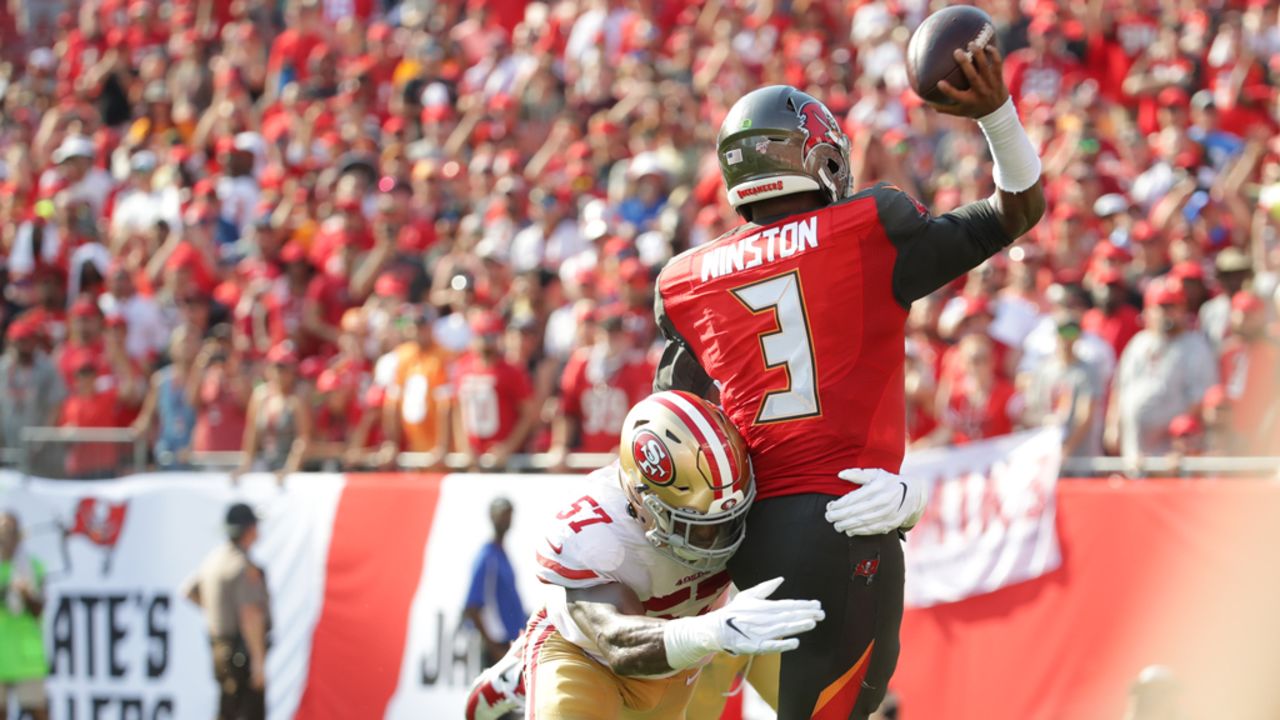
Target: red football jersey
x,y
489,397
600,400
801,324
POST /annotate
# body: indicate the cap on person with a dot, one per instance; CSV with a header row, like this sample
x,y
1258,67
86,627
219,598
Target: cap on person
x,y
1164,291
391,285
282,354
1232,260
1108,251
1110,204
240,518
84,307
74,146
1108,276
143,161
1188,270
22,329
1185,425
487,322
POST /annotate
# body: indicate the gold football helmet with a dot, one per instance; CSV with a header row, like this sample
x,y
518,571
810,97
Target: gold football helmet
x,y
686,471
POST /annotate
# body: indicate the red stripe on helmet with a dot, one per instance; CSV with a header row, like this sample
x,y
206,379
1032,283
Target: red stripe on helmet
x,y
719,481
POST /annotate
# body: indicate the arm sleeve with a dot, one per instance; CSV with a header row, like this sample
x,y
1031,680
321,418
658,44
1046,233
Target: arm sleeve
x,y
678,369
934,251
251,588
475,593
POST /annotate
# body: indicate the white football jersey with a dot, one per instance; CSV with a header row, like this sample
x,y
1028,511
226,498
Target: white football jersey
x,y
595,541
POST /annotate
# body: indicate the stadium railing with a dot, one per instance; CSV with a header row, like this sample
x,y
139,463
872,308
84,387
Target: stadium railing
x,y
45,451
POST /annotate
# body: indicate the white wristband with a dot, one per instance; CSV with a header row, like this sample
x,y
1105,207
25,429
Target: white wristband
x,y
688,640
1017,165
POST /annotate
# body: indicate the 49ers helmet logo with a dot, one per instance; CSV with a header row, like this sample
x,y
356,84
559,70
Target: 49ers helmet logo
x,y
820,128
653,460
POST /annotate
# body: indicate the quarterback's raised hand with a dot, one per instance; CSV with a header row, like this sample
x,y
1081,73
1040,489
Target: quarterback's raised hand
x,y
983,68
749,624
885,502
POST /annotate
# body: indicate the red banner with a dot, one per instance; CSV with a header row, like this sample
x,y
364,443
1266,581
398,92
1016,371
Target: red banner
x,y
1181,573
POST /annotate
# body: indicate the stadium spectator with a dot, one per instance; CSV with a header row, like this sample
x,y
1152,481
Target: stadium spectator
x,y
278,424
1163,373
493,604
347,426
496,409
32,388
1064,391
599,385
218,390
1112,317
1250,372
91,404
147,332
419,394
168,407
1234,273
976,402
23,667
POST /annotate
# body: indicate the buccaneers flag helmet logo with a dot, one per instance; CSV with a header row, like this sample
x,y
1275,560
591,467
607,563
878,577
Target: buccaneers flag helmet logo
x,y
820,128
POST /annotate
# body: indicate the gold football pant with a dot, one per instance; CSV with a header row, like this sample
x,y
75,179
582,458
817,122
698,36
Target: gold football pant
x,y
720,679
562,682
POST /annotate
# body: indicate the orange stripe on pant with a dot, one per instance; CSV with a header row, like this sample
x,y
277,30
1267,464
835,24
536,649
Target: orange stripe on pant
x,y
837,699
375,561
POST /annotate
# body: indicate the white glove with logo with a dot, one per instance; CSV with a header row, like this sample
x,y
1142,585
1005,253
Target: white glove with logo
x,y
885,502
749,624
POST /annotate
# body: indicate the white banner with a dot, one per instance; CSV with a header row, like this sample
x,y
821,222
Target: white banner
x,y
990,522
121,640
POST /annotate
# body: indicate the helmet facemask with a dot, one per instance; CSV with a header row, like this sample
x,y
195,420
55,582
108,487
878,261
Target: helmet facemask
x,y
695,540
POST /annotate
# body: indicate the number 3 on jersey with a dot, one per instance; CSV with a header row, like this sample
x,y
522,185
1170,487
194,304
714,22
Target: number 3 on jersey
x,y
789,347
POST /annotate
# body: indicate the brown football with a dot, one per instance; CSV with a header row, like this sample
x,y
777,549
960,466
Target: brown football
x,y
930,54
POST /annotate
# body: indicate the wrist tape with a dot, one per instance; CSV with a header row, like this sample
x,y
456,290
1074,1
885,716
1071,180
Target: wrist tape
x,y
1017,166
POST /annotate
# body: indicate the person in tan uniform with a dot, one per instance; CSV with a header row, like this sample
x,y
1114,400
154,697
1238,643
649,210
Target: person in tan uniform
x,y
232,592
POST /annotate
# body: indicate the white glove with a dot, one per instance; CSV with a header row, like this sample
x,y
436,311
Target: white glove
x,y
749,624
885,502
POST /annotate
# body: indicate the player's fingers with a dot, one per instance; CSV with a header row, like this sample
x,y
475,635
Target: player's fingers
x,y
777,646
991,70
994,57
785,609
858,476
795,627
964,58
979,55
959,97
763,590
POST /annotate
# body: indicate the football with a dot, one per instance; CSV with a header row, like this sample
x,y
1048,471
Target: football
x,y
930,54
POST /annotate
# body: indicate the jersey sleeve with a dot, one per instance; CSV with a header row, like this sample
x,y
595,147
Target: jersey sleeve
x,y
580,549
933,251
678,368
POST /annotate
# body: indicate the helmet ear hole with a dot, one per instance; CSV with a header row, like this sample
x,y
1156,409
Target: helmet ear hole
x,y
832,166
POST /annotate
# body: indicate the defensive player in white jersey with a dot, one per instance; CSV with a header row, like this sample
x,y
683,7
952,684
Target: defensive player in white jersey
x,y
641,559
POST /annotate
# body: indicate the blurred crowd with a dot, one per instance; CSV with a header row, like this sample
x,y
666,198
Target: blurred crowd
x,y
325,231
